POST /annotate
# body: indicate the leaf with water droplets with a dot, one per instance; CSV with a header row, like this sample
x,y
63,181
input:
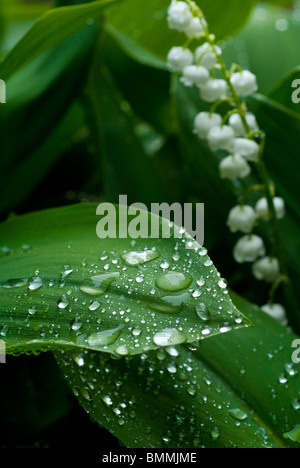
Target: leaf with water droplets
x,y
96,293
223,395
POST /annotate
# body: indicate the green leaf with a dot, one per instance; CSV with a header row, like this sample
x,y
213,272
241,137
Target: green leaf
x,y
62,286
126,167
50,29
294,434
144,34
238,390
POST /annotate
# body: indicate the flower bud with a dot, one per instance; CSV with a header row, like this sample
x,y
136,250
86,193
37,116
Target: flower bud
x,y
249,149
213,90
221,138
244,83
195,27
204,122
248,249
179,16
262,208
266,269
206,56
234,167
235,122
277,312
179,58
193,75
241,218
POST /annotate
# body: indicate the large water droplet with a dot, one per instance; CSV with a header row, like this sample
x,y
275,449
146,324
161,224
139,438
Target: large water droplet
x,y
169,336
238,414
169,304
203,312
98,285
14,283
105,337
35,283
135,258
173,281
76,324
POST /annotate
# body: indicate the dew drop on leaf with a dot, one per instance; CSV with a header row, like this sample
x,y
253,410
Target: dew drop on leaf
x,y
169,336
203,312
98,285
173,281
105,337
135,258
14,283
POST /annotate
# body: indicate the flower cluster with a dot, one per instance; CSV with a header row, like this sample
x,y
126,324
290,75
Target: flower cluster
x,y
236,135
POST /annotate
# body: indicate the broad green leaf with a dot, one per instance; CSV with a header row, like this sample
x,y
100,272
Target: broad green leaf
x,y
143,32
50,29
62,73
126,167
239,390
61,286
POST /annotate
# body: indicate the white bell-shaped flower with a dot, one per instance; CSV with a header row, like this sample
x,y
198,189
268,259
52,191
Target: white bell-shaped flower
x,y
179,16
266,269
193,75
262,208
241,218
195,27
248,249
249,149
204,122
206,56
179,58
213,90
234,167
221,138
244,83
235,121
276,311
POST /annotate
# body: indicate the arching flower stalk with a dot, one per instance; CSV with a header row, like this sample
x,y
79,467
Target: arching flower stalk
x,y
238,134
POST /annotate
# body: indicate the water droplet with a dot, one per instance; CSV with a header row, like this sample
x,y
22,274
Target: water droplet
x,y
76,324
295,404
105,337
215,433
201,282
208,262
169,304
35,284
203,312
173,281
94,305
135,258
222,284
122,351
98,285
14,283
282,379
169,336
197,293
62,303
238,414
